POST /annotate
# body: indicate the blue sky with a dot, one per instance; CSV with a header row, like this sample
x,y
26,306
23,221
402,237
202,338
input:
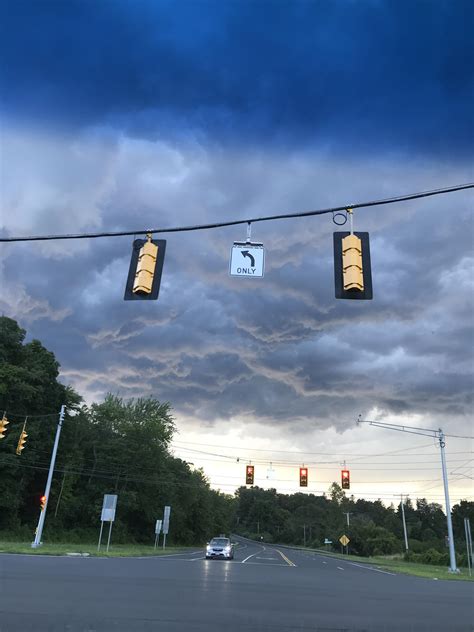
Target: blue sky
x,y
126,115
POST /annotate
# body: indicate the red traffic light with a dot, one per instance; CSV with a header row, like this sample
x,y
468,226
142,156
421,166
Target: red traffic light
x,y
249,474
345,479
43,502
303,477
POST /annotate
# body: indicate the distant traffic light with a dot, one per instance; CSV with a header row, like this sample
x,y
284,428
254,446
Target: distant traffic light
x,y
21,441
249,474
146,267
352,268
3,425
303,477
345,479
43,502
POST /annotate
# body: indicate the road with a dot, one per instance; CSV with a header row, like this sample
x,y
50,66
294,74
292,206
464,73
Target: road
x,y
265,588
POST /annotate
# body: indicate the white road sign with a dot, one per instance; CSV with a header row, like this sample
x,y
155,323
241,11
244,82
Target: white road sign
x,y
166,520
247,259
108,508
158,527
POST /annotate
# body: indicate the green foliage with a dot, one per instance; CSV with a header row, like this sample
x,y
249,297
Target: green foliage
x,y
116,446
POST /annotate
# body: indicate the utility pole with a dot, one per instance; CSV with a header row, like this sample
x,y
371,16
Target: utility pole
x,y
437,434
304,535
347,514
404,522
42,516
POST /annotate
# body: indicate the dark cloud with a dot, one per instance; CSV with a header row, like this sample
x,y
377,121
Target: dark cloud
x,y
123,115
349,76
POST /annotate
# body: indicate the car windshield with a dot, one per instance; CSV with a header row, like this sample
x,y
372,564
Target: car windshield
x,y
219,541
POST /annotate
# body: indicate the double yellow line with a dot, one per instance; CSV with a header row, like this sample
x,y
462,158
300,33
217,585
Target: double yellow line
x,y
288,561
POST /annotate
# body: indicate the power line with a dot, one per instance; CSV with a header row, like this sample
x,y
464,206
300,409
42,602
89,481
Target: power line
x,y
253,220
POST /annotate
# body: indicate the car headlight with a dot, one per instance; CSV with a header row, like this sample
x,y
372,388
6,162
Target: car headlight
x,y
227,549
208,548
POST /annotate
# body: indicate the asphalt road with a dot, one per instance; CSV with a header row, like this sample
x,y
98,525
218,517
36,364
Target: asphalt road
x,y
264,588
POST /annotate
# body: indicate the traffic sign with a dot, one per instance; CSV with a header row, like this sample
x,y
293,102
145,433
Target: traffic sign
x,y
166,520
247,259
344,540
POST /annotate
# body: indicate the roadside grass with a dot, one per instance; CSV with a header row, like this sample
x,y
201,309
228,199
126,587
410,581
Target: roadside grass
x,y
115,550
398,565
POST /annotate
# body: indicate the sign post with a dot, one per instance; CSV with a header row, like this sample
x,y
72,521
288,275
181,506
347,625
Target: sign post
x,y
109,506
166,523
157,531
344,540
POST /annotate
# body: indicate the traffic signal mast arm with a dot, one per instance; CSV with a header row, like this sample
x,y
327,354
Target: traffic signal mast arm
x,y
437,434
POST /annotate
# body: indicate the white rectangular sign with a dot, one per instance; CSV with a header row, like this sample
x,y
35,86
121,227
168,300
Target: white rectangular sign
x,y
247,259
108,508
158,527
166,520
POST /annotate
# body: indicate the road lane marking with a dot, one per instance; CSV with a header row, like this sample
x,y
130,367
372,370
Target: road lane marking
x,y
324,562
340,568
247,558
289,562
370,568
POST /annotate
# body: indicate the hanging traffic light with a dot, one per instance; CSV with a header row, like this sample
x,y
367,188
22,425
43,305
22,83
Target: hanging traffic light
x,y
146,267
352,268
249,474
303,477
21,442
43,502
3,425
345,479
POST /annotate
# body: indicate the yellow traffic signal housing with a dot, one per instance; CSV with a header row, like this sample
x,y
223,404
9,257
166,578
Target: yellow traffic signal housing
x,y
3,425
352,269
146,267
21,442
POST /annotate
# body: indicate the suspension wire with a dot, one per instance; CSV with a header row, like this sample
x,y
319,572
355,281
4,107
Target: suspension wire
x,y
267,218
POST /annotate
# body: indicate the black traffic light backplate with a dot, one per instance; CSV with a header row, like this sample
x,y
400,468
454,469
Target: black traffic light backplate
x,y
366,294
155,288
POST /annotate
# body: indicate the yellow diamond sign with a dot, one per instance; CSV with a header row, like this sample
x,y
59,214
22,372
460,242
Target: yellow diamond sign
x,y
344,540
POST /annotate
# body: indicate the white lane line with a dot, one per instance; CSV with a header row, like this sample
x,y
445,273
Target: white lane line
x,y
253,554
340,568
324,562
370,568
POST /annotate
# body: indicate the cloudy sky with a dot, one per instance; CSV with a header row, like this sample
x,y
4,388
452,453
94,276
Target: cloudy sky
x,y
131,115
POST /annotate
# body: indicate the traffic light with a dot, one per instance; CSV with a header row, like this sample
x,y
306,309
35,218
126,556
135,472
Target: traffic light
x,y
249,474
352,269
303,477
146,267
43,502
21,442
345,479
3,425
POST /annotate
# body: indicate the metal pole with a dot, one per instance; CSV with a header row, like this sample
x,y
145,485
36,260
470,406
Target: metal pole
x,y
156,540
110,532
164,540
100,534
404,523
304,535
466,521
452,555
470,536
42,516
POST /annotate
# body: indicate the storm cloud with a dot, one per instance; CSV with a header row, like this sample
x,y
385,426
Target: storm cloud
x,y
124,116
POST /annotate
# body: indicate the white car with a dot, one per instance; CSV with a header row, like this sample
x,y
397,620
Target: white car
x,y
220,548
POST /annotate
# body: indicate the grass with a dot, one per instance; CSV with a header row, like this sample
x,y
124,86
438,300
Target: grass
x,y
398,565
115,550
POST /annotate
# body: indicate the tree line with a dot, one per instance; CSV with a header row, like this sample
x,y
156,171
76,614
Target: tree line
x,y
123,447
113,447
